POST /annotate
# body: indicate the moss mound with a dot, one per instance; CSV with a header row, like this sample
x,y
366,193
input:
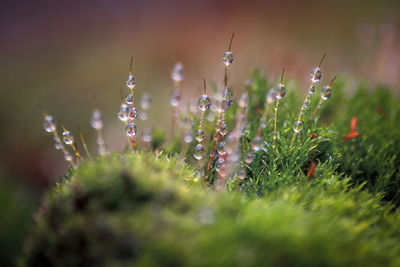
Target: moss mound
x,y
145,210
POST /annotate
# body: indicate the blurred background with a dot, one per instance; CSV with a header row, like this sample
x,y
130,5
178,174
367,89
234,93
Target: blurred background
x,y
64,54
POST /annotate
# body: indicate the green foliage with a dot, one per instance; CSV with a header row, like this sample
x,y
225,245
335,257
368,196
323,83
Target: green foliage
x,y
146,210
143,210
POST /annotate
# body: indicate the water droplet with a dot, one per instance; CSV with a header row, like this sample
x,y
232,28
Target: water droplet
x,y
145,101
147,136
131,82
133,114
312,89
49,124
326,92
227,98
243,100
271,96
130,130
123,112
315,75
204,103
57,145
221,149
68,138
177,73
280,91
298,126
210,116
102,150
67,156
143,116
97,120
257,143
129,99
188,137
223,130
175,98
199,152
200,135
227,59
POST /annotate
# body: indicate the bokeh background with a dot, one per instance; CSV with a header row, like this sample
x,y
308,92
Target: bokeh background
x,y
64,54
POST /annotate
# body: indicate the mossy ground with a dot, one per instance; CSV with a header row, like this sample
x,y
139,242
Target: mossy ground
x,y
146,210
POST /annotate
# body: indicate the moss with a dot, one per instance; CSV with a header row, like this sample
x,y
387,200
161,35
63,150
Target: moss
x,y
149,211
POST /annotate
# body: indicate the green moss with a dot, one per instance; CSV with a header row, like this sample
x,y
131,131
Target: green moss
x,y
146,210
149,211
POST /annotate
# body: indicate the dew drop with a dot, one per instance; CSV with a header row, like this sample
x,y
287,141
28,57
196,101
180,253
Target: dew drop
x,y
123,112
298,126
204,103
97,120
67,156
49,124
129,99
199,152
145,101
188,137
200,135
131,82
175,98
130,130
271,96
280,91
68,138
243,100
227,59
326,92
315,75
177,73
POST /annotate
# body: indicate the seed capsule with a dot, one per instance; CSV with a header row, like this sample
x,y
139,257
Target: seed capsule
x,y
326,92
204,103
123,113
175,98
177,73
227,59
131,82
280,91
199,152
298,126
49,124
129,99
130,130
315,75
97,120
68,138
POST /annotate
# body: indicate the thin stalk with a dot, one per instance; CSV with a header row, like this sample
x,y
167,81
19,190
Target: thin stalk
x,y
84,143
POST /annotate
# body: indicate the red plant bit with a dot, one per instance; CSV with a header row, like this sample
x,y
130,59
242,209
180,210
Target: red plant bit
x,y
211,155
311,170
353,124
353,132
314,135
